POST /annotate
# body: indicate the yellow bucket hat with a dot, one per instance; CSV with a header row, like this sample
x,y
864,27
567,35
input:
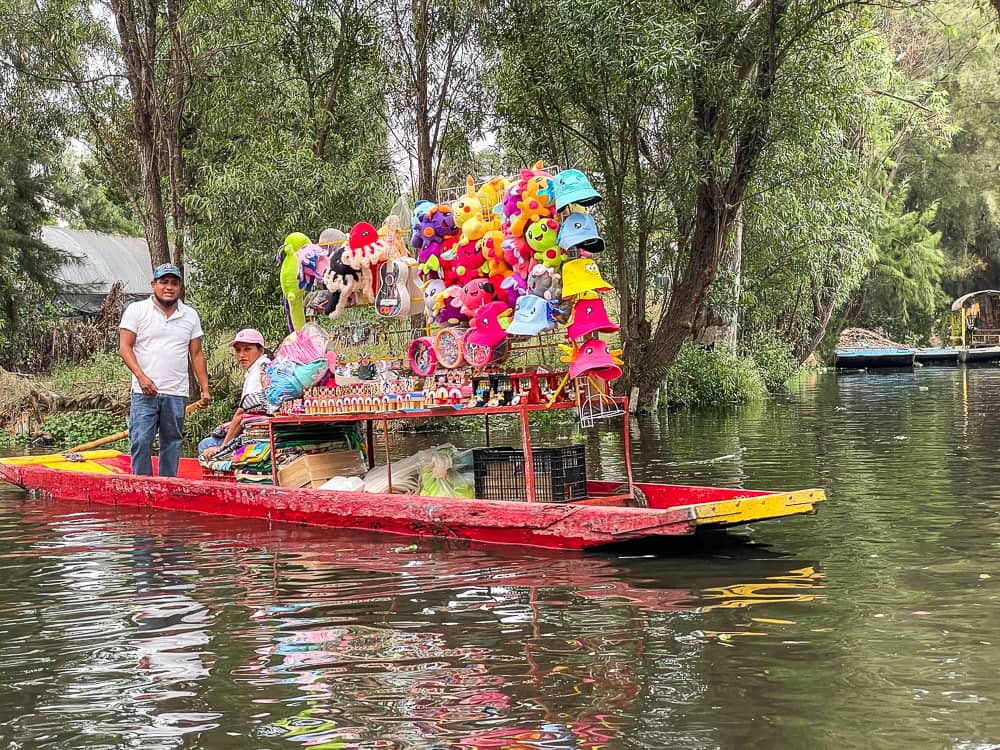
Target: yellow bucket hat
x,y
582,275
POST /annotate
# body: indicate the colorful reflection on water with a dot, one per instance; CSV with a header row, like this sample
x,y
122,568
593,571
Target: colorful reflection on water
x,y
868,621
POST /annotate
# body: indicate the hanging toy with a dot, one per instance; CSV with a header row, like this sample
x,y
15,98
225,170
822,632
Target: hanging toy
x,y
287,257
468,212
342,280
542,238
475,294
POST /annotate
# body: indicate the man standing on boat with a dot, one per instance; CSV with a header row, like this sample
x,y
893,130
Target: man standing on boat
x,y
155,339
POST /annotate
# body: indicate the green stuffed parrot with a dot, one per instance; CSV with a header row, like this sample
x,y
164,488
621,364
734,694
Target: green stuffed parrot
x,y
294,307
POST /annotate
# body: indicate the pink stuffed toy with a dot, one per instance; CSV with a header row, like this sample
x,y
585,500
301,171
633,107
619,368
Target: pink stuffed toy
x,y
467,262
475,294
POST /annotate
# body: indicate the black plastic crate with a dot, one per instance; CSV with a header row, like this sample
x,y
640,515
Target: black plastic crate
x,y
560,474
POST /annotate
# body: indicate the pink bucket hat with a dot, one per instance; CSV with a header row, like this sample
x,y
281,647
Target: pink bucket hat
x,y
589,316
489,325
593,358
248,336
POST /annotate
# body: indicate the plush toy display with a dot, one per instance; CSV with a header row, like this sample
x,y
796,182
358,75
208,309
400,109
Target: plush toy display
x,y
341,279
494,267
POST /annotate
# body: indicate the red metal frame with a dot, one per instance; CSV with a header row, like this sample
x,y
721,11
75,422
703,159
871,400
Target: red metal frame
x,y
523,410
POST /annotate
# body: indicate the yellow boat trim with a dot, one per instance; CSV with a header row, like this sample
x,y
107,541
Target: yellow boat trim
x,y
59,462
57,458
747,509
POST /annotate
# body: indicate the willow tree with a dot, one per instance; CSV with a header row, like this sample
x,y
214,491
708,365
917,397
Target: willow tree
x,y
289,138
434,90
675,106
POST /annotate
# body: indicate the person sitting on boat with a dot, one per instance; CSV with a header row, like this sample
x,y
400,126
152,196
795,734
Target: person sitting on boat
x,y
248,348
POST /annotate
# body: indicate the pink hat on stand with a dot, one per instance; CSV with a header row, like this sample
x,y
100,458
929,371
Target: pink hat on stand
x,y
589,316
248,336
489,324
593,358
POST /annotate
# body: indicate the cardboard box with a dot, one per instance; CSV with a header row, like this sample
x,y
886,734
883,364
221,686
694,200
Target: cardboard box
x,y
314,469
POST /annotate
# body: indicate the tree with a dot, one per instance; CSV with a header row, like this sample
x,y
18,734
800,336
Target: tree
x,y
31,128
286,141
436,96
676,107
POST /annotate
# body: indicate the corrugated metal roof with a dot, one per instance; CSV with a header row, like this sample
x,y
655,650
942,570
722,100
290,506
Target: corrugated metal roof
x,y
104,259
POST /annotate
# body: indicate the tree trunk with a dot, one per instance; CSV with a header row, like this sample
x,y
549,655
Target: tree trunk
x,y
139,54
714,326
426,187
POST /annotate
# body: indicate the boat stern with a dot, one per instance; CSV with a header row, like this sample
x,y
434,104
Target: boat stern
x,y
741,510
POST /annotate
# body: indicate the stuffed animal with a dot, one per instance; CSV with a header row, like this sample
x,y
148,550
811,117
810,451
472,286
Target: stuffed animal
x,y
417,237
287,257
544,282
432,289
512,287
491,247
468,212
467,262
542,237
365,249
341,279
448,307
313,263
517,254
475,294
491,196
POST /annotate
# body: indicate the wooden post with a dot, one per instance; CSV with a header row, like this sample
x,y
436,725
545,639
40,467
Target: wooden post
x,y
529,461
388,456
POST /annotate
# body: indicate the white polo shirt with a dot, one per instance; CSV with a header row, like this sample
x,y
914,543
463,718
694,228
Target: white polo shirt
x,y
161,343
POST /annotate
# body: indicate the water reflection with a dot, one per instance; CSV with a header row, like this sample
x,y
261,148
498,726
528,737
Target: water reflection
x,y
345,640
868,625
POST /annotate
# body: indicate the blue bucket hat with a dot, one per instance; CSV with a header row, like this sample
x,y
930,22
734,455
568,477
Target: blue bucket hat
x,y
531,316
580,230
572,186
167,269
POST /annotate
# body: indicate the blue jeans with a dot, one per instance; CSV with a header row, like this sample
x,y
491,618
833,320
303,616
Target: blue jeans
x,y
149,414
210,442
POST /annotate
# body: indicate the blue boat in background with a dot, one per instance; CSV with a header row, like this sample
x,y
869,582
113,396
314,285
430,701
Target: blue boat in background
x,y
863,358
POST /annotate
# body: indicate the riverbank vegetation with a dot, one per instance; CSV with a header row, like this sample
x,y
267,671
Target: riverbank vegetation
x,y
772,171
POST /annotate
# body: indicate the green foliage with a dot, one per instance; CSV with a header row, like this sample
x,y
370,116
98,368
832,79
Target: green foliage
x,y
702,377
903,296
101,369
84,202
72,428
774,359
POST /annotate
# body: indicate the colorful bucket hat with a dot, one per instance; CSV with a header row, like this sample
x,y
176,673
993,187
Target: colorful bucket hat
x,y
572,186
531,316
593,358
589,316
582,275
488,326
580,230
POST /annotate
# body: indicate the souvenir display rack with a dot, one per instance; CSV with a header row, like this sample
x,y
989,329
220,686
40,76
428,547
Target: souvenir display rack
x,y
283,426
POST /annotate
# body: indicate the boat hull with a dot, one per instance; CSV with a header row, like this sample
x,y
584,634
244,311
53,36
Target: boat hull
x,y
674,510
873,358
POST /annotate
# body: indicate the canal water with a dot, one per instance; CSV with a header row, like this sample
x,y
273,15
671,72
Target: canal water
x,y
874,624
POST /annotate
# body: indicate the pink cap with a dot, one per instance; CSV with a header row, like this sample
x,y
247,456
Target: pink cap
x,y
248,336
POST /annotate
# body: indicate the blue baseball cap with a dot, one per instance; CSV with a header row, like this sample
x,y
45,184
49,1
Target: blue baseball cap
x,y
167,269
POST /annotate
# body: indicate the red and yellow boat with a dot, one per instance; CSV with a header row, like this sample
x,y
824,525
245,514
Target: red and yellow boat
x,y
608,514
